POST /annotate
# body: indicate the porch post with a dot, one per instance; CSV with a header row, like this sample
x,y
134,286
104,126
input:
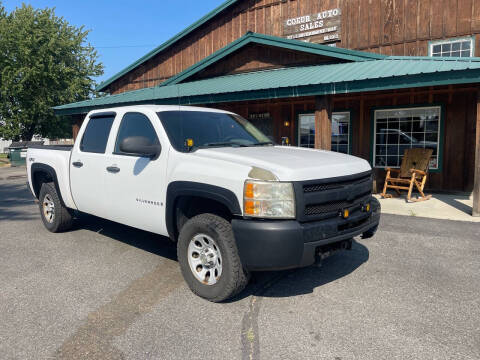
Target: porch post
x,y
476,186
323,122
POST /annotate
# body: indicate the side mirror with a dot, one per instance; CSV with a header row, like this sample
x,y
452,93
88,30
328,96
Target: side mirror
x,y
140,146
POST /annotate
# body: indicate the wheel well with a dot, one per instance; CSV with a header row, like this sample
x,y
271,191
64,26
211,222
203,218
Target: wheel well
x,y
187,207
38,178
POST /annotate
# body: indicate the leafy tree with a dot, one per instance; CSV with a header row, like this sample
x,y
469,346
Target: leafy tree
x,y
44,61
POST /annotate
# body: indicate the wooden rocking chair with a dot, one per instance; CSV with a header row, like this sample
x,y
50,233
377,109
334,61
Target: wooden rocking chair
x,y
413,171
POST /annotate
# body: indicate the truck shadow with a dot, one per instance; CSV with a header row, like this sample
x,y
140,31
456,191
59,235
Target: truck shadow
x,y
144,240
305,280
264,284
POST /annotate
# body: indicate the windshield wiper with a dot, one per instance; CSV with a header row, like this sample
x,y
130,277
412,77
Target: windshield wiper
x,y
220,144
264,143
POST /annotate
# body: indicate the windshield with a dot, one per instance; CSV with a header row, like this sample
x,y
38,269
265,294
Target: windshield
x,y
209,129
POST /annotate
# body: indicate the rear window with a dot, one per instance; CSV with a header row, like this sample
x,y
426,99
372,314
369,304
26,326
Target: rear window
x,y
95,137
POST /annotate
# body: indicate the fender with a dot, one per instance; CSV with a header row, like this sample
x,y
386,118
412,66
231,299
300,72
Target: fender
x,y
189,188
37,167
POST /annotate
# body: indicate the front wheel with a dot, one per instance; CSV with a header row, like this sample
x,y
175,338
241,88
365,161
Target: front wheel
x,y
209,259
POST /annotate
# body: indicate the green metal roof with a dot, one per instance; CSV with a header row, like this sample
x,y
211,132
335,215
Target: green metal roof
x,y
250,37
384,74
167,43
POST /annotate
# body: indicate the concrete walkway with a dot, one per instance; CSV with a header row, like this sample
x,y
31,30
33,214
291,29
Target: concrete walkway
x,y
440,206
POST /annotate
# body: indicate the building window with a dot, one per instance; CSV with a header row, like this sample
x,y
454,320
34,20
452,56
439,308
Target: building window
x,y
452,48
340,131
399,129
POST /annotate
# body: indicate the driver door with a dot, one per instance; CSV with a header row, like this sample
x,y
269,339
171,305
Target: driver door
x,y
135,185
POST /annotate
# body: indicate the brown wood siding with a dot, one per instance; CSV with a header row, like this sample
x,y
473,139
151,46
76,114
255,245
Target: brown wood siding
x,y
257,57
391,27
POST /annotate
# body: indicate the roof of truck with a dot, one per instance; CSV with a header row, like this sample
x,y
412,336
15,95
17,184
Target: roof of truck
x,y
155,108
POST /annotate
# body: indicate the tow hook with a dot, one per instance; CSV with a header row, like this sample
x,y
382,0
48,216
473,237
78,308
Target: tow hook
x,y
319,257
327,250
348,244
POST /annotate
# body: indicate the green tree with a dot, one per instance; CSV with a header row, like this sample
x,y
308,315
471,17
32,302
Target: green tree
x,y
44,61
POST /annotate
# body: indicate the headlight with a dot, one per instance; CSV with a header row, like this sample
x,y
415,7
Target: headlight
x,y
269,199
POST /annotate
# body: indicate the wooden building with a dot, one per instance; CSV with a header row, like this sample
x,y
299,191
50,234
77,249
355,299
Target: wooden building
x,y
365,77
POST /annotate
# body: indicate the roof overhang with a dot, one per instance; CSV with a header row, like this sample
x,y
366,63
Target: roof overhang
x,y
377,75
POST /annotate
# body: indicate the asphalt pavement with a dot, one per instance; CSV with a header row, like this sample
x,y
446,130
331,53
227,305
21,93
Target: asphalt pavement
x,y
107,291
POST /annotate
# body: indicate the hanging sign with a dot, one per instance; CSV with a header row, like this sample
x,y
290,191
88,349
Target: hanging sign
x,y
255,116
321,27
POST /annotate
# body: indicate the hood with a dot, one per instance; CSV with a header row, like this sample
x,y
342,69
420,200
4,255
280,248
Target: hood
x,y
290,163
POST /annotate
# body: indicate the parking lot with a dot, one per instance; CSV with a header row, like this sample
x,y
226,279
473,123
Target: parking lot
x,y
108,291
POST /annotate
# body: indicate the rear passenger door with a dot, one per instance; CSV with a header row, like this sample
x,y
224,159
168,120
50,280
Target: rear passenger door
x,y
136,188
87,165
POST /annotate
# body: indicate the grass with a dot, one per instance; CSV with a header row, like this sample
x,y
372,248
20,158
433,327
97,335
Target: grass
x,y
4,161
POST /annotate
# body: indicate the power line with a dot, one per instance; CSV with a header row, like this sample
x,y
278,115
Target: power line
x,y
123,46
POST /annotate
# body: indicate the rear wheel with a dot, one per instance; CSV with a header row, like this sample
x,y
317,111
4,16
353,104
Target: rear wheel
x,y
209,259
55,216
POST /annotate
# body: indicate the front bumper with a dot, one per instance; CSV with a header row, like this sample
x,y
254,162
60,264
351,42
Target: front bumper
x,y
286,244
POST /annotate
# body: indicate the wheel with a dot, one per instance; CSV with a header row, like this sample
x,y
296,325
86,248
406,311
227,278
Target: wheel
x,y
369,233
55,216
209,259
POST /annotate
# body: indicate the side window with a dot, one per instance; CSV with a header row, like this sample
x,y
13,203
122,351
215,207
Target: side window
x,y
95,137
135,124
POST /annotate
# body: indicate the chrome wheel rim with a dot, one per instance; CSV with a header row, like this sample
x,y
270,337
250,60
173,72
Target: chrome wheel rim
x,y
205,259
48,208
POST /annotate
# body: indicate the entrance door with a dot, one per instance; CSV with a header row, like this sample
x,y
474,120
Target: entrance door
x,y
87,165
340,131
136,187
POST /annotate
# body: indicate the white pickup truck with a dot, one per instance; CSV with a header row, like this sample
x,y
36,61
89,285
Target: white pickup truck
x,y
233,201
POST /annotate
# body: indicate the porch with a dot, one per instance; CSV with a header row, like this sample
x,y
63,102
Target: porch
x,y
442,206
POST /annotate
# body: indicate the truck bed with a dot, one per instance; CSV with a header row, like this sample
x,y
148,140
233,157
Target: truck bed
x,y
55,159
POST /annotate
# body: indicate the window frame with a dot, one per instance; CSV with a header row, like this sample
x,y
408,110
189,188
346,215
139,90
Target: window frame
x,y
92,117
432,43
441,136
339,111
118,134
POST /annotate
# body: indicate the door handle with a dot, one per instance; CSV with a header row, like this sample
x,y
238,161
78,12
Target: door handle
x,y
77,164
113,169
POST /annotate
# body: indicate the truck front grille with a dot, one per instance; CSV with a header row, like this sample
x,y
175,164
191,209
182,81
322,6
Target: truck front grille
x,y
336,185
336,206
325,198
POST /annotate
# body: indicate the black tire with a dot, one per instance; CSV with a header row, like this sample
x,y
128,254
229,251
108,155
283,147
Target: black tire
x,y
233,278
62,219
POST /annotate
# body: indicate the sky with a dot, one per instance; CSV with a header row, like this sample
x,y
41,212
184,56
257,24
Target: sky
x,y
123,31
